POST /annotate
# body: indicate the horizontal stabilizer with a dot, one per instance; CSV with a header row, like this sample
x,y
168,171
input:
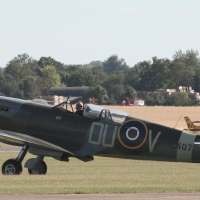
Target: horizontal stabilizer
x,y
197,144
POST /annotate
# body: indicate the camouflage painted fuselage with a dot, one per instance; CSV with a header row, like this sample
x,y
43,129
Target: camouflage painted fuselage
x,y
134,138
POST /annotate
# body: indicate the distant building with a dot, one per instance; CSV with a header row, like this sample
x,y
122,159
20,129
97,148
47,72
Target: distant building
x,y
167,92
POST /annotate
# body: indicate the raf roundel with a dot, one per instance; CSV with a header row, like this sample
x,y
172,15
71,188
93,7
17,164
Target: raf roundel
x,y
132,134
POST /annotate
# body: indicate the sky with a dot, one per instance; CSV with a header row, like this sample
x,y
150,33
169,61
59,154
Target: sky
x,y
81,31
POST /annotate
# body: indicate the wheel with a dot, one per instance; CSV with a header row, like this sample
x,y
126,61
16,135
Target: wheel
x,y
35,171
11,167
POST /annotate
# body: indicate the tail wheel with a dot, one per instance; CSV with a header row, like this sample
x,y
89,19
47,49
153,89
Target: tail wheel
x,y
36,171
11,167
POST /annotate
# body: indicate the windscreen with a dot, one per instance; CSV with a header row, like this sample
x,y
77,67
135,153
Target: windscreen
x,y
92,111
118,116
65,107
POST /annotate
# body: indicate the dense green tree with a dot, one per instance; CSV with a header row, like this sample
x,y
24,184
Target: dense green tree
x,y
48,61
178,99
99,75
72,71
23,63
11,87
114,79
181,75
1,69
80,78
114,64
112,100
155,99
60,67
194,101
114,87
2,80
30,87
49,78
97,92
183,69
197,80
111,80
130,92
73,68
22,59
96,63
16,71
118,92
20,67
81,75
154,76
190,57
132,77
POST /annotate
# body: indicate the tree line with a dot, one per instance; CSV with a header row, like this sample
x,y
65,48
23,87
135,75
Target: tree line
x,y
110,80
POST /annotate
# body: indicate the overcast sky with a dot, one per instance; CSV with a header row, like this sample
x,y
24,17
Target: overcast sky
x,y
81,31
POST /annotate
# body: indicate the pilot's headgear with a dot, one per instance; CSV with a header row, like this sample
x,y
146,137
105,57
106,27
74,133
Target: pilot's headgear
x,y
79,105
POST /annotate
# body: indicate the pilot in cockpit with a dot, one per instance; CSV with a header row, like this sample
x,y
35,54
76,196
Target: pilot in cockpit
x,y
79,108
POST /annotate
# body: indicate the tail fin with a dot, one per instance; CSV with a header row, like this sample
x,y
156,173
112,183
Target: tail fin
x,y
189,122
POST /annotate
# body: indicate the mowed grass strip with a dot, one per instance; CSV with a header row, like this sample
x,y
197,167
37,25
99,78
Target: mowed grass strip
x,y
103,175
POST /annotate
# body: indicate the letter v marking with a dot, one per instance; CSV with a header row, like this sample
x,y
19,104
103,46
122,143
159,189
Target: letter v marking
x,y
151,145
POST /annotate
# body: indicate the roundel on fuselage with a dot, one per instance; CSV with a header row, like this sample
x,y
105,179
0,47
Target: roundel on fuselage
x,y
132,134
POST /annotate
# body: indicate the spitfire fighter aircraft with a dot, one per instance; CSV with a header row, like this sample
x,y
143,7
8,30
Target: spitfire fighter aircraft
x,y
58,132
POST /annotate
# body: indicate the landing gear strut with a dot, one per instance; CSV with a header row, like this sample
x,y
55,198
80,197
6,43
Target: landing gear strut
x,y
14,166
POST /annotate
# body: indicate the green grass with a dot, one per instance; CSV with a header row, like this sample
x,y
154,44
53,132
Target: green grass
x,y
103,175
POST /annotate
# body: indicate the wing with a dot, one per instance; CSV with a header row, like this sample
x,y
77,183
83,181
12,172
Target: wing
x,y
20,139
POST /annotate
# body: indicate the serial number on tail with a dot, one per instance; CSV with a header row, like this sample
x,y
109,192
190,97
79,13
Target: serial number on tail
x,y
180,146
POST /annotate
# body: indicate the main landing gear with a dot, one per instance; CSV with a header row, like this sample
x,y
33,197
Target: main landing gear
x,y
38,171
14,166
11,167
34,165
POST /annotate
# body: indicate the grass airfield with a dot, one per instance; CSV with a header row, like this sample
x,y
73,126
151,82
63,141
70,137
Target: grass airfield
x,y
112,175
103,175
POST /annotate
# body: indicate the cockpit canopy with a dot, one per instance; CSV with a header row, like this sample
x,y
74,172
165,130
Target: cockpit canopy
x,y
95,112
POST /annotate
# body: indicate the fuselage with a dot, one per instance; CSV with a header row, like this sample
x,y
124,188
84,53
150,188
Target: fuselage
x,y
134,138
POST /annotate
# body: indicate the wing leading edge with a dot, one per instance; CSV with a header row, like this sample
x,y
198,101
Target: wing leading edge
x,y
20,139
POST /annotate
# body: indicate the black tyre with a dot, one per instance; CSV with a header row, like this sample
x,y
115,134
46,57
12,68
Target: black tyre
x,y
11,167
35,171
